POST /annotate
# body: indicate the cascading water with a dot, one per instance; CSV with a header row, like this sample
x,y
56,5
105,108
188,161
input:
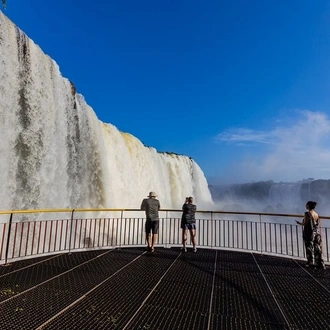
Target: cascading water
x,y
55,153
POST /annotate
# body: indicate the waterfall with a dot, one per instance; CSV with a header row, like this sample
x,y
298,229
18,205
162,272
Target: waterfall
x,y
56,153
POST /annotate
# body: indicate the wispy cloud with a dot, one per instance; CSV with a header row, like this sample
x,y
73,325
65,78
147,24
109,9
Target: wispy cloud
x,y
309,127
243,136
293,151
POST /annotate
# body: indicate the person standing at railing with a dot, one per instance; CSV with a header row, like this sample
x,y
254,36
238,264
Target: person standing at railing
x,y
312,236
188,222
186,202
151,206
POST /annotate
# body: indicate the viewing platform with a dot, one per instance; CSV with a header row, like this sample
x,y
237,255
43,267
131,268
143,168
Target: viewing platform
x,y
129,288
88,270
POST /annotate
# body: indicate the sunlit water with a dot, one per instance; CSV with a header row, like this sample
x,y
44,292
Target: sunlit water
x,y
55,153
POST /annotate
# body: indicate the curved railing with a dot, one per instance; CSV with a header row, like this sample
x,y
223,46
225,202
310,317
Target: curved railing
x,y
30,233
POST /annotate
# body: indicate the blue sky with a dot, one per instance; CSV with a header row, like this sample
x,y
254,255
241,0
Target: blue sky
x,y
242,87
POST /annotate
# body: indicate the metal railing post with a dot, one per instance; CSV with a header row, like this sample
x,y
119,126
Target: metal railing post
x,y
261,249
8,237
212,229
166,235
71,225
121,227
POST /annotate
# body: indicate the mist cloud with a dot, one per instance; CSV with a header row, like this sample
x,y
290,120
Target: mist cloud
x,y
297,149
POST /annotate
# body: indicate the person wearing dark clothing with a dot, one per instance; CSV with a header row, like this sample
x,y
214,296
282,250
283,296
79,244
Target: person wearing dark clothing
x,y
151,206
312,236
188,222
186,202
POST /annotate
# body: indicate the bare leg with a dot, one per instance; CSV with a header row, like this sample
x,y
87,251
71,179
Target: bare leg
x,y
193,237
184,238
148,239
154,241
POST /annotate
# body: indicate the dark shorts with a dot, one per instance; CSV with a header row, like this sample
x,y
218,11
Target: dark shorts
x,y
152,226
188,226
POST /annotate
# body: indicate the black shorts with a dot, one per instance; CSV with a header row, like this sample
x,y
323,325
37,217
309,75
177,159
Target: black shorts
x,y
152,226
188,226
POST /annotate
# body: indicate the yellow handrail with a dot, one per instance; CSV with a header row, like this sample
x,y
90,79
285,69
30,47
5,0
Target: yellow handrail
x,y
162,210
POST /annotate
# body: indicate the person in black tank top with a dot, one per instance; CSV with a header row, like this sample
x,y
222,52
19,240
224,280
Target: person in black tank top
x,y
312,236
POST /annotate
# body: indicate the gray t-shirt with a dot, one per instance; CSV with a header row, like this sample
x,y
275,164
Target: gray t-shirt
x,y
188,215
151,206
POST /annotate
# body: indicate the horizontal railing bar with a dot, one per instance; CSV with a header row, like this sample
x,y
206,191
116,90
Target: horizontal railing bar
x,y
161,210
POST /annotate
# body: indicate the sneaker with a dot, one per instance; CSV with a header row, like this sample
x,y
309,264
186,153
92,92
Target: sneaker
x,y
195,249
184,249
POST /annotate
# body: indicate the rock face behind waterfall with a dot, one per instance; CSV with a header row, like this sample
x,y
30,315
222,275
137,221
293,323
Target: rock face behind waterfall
x,y
55,153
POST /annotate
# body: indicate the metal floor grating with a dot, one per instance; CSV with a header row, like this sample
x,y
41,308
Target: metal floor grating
x,y
166,290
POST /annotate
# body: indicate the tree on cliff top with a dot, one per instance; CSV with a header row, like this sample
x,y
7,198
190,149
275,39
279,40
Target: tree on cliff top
x,y
3,3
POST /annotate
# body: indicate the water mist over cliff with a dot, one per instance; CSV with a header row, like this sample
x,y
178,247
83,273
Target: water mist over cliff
x,y
55,153
272,197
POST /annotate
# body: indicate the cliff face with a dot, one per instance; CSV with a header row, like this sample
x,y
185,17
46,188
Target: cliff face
x,y
55,153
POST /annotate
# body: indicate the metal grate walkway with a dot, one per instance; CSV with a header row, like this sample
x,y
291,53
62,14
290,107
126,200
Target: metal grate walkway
x,y
134,290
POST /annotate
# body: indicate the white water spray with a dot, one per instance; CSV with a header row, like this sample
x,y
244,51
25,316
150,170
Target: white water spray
x,y
55,153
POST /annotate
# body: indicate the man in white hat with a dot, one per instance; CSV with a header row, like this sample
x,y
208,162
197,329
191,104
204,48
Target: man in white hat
x,y
151,206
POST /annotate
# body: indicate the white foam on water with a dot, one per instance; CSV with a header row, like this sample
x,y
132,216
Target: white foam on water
x,y
56,153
